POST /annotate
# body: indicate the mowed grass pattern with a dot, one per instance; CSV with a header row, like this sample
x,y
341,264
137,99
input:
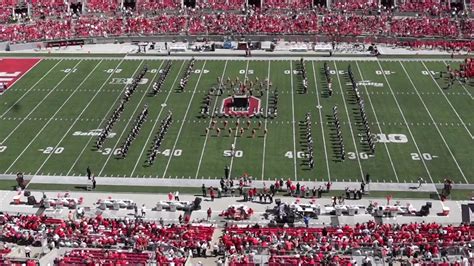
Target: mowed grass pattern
x,y
432,125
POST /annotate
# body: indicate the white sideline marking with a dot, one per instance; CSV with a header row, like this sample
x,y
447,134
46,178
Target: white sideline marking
x,y
437,128
380,129
103,119
125,129
349,119
321,122
157,118
210,121
184,119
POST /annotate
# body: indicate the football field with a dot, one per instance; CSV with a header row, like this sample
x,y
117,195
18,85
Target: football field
x,y
51,116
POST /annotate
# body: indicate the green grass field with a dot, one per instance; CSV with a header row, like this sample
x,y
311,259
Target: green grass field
x,y
427,130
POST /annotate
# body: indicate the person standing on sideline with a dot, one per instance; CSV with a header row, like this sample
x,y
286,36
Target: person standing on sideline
x,y
93,182
89,172
420,181
143,210
27,252
306,221
209,213
176,196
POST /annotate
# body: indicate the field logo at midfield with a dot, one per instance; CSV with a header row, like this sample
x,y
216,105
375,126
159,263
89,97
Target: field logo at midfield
x,y
367,83
253,105
126,81
92,133
12,69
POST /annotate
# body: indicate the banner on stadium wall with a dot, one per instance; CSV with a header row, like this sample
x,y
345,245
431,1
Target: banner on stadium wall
x,y
64,43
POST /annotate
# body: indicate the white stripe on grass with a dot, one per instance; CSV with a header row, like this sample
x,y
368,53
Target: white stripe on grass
x,y
210,121
378,124
321,122
134,113
266,121
435,124
75,120
350,123
30,89
103,119
152,131
51,118
184,119
406,123
38,105
449,102
237,128
293,118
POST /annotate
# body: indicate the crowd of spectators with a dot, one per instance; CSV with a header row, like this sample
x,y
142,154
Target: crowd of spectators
x,y
221,5
353,5
422,241
434,7
96,6
255,22
103,257
48,8
99,232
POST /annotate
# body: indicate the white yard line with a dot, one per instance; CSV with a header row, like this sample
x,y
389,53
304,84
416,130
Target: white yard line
x,y
210,121
157,118
77,118
184,120
51,118
406,123
266,122
34,85
350,123
293,118
103,119
434,123
134,114
378,124
38,105
237,130
449,102
460,83
319,107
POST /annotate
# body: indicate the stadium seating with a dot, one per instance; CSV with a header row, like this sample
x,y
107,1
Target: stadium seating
x,y
99,232
158,5
5,14
352,5
222,4
104,257
434,7
106,20
48,8
287,4
318,242
99,6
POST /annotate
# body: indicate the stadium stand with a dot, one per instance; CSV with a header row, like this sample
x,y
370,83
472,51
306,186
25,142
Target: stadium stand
x,y
327,245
